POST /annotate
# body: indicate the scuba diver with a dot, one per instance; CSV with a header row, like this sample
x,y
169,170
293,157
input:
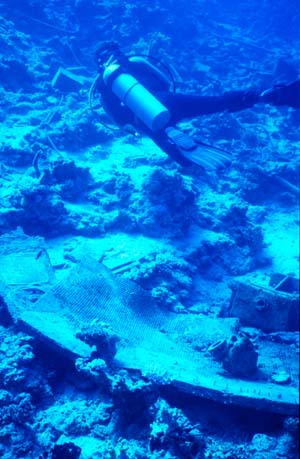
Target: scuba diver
x,y
137,93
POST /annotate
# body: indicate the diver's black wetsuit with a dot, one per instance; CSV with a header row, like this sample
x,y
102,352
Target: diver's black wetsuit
x,y
180,106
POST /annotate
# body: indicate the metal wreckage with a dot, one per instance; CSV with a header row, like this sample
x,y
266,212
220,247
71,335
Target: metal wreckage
x,y
247,358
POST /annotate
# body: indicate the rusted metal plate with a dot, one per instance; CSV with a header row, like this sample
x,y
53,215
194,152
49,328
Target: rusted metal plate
x,y
157,343
24,260
265,308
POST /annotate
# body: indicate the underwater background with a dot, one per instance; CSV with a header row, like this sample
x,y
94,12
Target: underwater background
x,y
147,310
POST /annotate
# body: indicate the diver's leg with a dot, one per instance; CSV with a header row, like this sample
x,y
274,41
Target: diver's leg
x,y
189,105
283,94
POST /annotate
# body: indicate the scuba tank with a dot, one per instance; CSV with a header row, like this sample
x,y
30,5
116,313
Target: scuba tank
x,y
136,97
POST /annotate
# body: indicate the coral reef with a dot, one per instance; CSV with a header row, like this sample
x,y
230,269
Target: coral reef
x,y
38,212
172,432
22,390
102,337
66,451
170,204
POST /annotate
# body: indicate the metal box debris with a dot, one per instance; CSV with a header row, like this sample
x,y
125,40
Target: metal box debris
x,y
269,308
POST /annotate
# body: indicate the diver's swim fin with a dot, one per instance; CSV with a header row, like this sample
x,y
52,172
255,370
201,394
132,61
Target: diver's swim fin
x,y
206,156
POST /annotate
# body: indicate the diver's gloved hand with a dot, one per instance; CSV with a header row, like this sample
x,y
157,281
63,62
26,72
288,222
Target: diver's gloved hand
x,y
283,94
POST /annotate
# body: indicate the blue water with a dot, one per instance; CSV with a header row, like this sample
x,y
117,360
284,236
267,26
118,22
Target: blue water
x,y
177,369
